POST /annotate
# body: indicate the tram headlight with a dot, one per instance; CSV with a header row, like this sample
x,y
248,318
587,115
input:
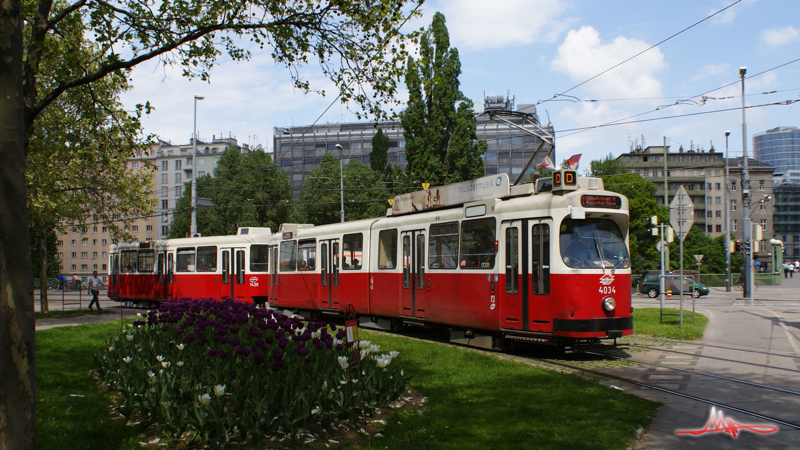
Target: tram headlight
x,y
609,304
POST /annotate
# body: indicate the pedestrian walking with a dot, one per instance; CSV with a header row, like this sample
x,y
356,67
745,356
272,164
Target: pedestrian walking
x,y
94,288
62,280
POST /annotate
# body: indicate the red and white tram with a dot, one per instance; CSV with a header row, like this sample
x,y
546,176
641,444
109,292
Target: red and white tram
x,y
487,260
211,267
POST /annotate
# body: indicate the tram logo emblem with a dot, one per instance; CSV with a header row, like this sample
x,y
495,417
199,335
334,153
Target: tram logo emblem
x,y
606,279
254,279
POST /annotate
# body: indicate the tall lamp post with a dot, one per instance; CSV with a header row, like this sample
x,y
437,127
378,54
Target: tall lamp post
x,y
727,222
341,180
747,230
193,229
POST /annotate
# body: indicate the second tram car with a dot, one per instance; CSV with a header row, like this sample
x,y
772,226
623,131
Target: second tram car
x,y
489,261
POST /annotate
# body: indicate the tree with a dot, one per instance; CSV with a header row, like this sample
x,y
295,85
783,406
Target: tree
x,y
607,166
357,43
379,156
439,122
641,206
246,191
320,201
76,162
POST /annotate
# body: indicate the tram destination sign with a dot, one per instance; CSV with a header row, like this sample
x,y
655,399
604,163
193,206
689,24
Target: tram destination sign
x,y
681,213
601,201
494,186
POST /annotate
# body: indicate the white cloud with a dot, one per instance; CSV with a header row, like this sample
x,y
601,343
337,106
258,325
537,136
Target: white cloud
x,y
712,70
477,24
780,36
583,55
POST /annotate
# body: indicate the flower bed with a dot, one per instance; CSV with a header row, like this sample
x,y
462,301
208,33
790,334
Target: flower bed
x,y
214,373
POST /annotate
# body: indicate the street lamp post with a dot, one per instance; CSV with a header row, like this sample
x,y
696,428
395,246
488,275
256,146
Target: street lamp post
x,y
727,222
341,180
193,229
746,228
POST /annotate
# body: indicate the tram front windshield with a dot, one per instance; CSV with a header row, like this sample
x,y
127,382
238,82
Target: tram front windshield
x,y
593,243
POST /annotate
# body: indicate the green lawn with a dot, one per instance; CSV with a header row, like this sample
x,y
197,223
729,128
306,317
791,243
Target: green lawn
x,y
476,400
648,321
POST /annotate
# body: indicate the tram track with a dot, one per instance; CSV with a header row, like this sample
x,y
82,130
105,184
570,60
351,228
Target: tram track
x,y
676,393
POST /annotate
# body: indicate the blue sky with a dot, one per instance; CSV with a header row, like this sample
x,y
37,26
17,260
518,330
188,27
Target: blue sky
x,y
534,50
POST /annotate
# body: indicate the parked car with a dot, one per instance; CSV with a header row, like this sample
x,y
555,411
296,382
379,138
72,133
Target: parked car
x,y
650,286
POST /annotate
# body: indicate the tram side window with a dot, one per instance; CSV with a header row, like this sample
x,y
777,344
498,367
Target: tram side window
x,y
207,259
287,256
146,260
306,254
477,243
443,246
185,260
128,261
352,251
259,258
387,249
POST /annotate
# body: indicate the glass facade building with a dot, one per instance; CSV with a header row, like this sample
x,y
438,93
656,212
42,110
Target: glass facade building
x,y
299,149
779,147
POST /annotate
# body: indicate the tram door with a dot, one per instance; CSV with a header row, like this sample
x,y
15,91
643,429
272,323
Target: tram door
x,y
537,308
329,273
273,274
413,293
113,285
514,295
170,271
233,273
161,270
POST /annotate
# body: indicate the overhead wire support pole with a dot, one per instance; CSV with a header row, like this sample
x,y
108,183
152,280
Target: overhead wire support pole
x,y
747,230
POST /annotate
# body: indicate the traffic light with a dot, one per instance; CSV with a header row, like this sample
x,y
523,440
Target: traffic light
x,y
747,247
738,246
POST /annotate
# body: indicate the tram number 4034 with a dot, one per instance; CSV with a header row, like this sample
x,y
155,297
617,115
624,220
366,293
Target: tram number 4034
x,y
607,290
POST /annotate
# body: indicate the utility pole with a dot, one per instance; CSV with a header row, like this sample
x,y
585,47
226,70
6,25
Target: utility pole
x,y
747,230
727,222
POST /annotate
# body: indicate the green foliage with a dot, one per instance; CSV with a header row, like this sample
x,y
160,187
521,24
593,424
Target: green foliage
x,y
53,262
217,373
642,205
379,156
713,251
439,122
607,166
247,191
365,195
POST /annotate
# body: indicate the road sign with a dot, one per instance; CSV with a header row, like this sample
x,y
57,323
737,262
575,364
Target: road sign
x,y
660,246
757,262
681,213
698,258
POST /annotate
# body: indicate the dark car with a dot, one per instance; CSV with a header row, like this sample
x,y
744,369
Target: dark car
x,y
649,286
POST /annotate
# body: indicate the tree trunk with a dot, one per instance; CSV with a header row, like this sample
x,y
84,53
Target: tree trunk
x,y
44,307
17,338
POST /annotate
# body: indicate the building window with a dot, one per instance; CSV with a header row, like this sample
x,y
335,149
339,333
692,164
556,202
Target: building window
x,y
94,254
710,228
164,217
164,165
104,241
709,213
149,227
708,186
164,204
733,185
135,228
762,205
164,191
718,186
733,205
735,225
177,164
74,255
718,200
135,165
164,230
201,173
84,267
719,214
164,178
85,241
84,255
94,266
178,177
761,185
763,224
178,191
60,243
719,228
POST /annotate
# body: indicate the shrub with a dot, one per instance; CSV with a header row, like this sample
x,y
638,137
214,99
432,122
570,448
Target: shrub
x,y
214,373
